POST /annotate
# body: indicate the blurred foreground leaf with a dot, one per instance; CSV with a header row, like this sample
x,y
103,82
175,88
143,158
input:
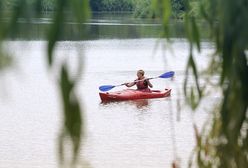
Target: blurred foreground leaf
x,y
72,127
224,142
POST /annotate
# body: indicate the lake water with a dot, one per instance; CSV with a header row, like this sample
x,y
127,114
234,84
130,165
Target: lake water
x,y
131,134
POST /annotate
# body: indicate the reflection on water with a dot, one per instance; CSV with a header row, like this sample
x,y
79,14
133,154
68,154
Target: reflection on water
x,y
102,26
141,104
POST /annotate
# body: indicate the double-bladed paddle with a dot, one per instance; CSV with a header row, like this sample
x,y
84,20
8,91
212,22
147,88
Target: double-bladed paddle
x,y
105,88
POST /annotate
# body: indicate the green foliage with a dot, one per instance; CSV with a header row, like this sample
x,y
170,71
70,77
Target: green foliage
x,y
193,98
228,25
5,60
80,11
193,7
96,5
140,8
112,5
45,5
72,127
224,144
178,8
48,5
72,115
6,4
153,8
162,9
143,8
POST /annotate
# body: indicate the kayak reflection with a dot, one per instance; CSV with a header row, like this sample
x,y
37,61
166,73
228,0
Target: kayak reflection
x,y
140,103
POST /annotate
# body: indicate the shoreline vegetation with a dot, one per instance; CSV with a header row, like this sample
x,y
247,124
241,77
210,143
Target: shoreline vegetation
x,y
139,8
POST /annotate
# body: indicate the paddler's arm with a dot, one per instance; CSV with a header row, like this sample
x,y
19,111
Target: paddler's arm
x,y
149,83
130,84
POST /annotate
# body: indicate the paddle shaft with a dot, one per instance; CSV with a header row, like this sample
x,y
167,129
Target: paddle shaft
x,y
139,80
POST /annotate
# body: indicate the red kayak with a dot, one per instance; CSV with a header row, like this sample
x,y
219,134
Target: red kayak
x,y
131,94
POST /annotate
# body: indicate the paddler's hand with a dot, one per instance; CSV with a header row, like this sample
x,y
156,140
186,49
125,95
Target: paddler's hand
x,y
126,84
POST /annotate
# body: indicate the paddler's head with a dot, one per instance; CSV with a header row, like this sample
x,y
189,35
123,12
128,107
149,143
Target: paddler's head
x,y
140,73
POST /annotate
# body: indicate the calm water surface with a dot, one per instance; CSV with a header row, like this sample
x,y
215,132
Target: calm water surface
x,y
131,134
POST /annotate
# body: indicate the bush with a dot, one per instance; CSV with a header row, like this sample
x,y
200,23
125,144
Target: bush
x,y
112,5
142,8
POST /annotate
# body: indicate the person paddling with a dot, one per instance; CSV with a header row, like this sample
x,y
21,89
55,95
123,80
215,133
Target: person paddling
x,y
141,82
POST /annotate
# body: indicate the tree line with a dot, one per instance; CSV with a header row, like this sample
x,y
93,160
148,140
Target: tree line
x,y
140,8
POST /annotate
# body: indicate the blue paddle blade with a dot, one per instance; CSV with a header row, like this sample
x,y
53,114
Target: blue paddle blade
x,y
167,74
105,88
